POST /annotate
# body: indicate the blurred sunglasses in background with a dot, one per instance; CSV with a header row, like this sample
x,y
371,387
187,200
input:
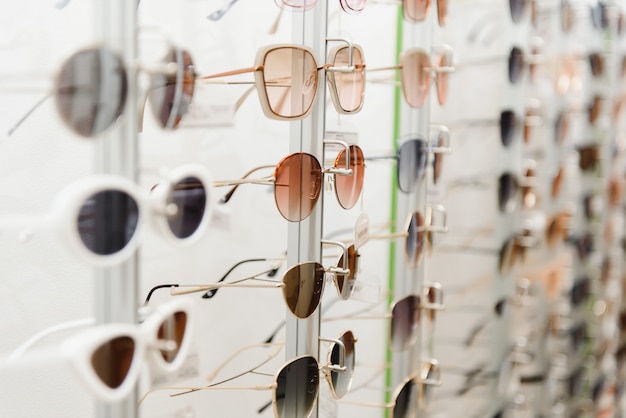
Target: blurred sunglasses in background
x,y
348,6
91,86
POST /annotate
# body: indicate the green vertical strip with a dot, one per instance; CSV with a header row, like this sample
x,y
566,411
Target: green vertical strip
x,y
397,96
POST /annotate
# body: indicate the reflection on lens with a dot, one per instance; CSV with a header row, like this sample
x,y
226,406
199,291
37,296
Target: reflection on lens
x,y
90,91
414,242
297,185
171,94
348,188
112,361
297,385
516,65
303,288
107,221
415,74
188,196
415,10
290,79
507,190
509,126
341,381
345,285
405,317
411,165
349,85
172,330
405,405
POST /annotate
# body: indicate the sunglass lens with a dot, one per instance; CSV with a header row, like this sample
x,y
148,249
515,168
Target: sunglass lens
x,y
405,317
297,385
442,12
517,9
516,64
171,93
594,110
414,243
411,164
415,10
415,76
189,198
442,78
91,91
346,283
507,189
302,290
172,333
348,188
297,186
349,85
107,221
406,401
341,381
290,79
596,63
112,361
508,127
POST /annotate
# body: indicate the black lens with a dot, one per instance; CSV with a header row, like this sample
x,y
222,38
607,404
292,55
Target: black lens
x,y
90,91
188,196
414,242
171,93
302,290
406,401
509,126
579,291
341,381
517,9
411,164
297,385
112,361
507,190
516,65
405,317
107,221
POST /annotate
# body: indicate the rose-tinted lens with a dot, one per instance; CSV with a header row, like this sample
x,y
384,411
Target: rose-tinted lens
x,y
414,242
405,317
349,85
90,91
412,157
298,181
353,6
507,189
509,126
348,188
341,381
112,361
442,12
295,5
172,330
297,385
346,283
405,405
188,196
415,10
415,75
302,290
107,221
517,9
442,79
171,93
290,79
516,65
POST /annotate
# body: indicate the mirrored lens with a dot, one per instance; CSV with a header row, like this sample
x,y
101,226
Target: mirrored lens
x,y
188,196
350,85
172,330
507,190
171,93
415,74
346,283
90,91
415,10
107,221
341,381
112,361
303,288
414,243
406,401
509,126
297,385
348,188
405,317
290,79
412,157
516,65
298,181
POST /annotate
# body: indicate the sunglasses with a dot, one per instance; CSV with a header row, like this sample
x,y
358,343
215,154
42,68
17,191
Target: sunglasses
x,y
101,217
418,70
588,157
108,358
286,79
297,182
348,6
91,86
415,11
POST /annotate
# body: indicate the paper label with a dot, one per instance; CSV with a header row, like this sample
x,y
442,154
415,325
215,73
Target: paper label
x,y
348,137
204,114
361,230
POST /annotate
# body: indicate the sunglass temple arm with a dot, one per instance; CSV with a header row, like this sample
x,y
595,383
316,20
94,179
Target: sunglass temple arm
x,y
28,113
243,180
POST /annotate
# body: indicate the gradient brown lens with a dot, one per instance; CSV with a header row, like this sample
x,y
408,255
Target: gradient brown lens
x,y
415,10
346,283
596,64
349,85
414,242
441,80
303,286
415,74
189,198
340,381
290,79
297,386
348,188
297,186
171,94
594,110
442,12
112,361
557,182
173,330
405,402
90,91
405,318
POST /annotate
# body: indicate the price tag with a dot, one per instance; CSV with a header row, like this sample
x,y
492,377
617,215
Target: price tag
x,y
361,230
